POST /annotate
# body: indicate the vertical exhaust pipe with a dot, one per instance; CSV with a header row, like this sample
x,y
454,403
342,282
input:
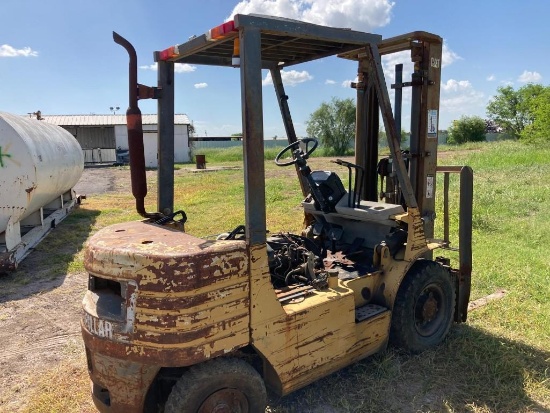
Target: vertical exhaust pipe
x,y
135,133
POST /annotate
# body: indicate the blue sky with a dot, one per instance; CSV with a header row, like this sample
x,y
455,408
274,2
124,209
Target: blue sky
x,y
58,56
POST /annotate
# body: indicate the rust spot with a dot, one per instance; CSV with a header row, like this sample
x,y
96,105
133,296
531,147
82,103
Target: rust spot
x,y
315,340
176,317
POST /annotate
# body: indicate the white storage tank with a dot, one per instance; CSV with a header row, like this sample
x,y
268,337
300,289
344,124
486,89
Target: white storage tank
x,y
39,162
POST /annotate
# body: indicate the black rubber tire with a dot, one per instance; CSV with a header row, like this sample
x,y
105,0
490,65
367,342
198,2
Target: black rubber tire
x,y
424,308
234,377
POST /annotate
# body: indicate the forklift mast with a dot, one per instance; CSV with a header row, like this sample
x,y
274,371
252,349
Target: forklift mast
x,y
425,49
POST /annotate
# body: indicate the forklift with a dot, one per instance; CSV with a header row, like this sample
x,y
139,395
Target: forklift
x,y
176,323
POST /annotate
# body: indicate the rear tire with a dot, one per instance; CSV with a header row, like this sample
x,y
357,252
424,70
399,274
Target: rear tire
x,y
219,385
424,307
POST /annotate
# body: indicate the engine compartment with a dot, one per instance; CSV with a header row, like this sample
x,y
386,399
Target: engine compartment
x,y
295,259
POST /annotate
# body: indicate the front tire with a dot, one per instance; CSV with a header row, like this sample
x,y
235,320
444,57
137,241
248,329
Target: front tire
x,y
220,385
424,308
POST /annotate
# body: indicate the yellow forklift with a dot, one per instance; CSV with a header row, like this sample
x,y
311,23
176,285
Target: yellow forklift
x,y
176,323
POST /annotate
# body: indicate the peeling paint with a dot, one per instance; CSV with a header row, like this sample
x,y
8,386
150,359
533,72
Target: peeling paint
x,y
178,312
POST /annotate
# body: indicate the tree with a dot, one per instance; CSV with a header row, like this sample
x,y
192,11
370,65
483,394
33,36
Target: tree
x,y
383,138
539,129
191,130
334,124
511,109
467,129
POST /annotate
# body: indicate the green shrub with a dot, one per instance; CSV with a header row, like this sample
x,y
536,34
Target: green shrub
x,y
467,129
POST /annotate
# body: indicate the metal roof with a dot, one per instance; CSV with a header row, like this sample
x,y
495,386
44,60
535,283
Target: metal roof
x,y
106,120
284,42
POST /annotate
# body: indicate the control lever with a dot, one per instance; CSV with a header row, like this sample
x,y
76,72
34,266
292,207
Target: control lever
x,y
359,176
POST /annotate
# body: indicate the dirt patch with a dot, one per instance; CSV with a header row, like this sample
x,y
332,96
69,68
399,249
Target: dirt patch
x,y
39,325
102,179
40,304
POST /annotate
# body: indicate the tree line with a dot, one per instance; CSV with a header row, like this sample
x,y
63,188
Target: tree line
x,y
522,114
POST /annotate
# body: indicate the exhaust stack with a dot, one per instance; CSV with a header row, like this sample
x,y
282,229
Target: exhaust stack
x,y
135,134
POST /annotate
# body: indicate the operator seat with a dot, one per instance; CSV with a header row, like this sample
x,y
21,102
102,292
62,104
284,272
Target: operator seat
x,y
330,186
326,188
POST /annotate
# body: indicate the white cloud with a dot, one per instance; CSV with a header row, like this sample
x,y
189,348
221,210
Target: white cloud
x,y
363,15
8,51
290,77
448,56
347,83
389,62
184,68
529,77
462,104
388,65
455,85
268,80
490,78
201,85
178,67
459,96
329,82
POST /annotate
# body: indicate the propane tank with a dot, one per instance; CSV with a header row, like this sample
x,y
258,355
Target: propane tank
x,y
39,162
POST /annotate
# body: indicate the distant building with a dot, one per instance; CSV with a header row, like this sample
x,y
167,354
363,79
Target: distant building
x,y
100,136
492,127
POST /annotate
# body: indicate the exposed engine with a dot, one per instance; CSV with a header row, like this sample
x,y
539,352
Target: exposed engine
x,y
294,259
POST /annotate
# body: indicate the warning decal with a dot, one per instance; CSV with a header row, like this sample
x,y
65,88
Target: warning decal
x,y
432,123
430,186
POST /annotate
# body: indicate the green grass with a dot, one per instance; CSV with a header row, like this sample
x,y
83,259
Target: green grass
x,y
497,362
235,154
511,234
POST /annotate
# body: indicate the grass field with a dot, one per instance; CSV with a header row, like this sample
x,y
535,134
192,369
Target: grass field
x,y
498,362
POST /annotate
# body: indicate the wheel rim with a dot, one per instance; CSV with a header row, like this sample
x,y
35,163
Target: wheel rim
x,y
225,401
429,310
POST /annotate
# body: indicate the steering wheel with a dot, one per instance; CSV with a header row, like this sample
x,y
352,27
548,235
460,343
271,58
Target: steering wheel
x,y
294,145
